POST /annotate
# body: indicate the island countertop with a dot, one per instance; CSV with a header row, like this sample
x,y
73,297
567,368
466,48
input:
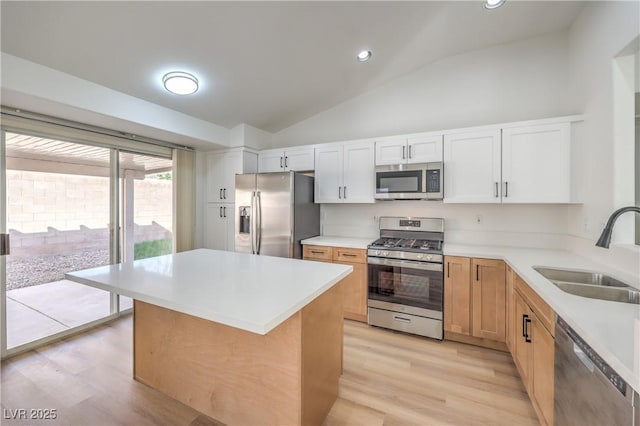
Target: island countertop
x,y
248,292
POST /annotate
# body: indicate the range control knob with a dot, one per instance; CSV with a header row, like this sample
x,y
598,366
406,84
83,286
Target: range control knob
x,y
429,257
377,252
419,256
385,253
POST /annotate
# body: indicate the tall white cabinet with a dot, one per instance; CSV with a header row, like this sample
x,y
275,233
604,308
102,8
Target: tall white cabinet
x,y
222,167
345,173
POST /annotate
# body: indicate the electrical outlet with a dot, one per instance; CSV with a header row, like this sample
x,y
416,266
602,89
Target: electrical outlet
x,y
478,219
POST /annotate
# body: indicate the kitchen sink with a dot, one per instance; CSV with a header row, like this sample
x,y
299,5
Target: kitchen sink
x,y
591,284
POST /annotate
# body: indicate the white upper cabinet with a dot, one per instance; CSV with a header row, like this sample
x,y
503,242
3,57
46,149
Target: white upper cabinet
x,y
294,159
472,167
359,173
345,173
536,165
423,148
222,168
391,151
528,163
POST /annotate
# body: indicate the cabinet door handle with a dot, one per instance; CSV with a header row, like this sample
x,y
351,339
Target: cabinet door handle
x,y
339,192
477,272
506,189
527,337
404,148
224,193
496,190
448,269
281,162
409,152
221,193
286,161
524,325
220,211
344,192
224,210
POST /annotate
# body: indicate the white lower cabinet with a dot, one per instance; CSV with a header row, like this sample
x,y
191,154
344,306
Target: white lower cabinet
x,y
219,226
345,173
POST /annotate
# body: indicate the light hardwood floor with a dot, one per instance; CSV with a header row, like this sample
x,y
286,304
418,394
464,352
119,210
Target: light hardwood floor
x,y
389,378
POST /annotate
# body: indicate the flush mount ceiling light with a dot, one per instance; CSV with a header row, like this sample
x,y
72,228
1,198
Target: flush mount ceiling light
x,y
180,83
493,4
364,56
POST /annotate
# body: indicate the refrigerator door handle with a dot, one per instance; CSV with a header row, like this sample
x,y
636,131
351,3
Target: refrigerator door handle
x,y
259,224
252,225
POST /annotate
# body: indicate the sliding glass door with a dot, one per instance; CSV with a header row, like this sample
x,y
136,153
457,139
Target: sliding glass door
x,y
68,206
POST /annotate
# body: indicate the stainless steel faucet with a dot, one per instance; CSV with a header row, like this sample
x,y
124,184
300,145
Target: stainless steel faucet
x,y
605,237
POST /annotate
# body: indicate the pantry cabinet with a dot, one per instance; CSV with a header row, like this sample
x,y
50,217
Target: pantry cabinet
x,y
533,347
345,173
294,159
222,168
219,226
421,148
474,298
354,286
528,163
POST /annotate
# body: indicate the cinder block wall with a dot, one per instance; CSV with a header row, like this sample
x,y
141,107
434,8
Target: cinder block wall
x,y
57,213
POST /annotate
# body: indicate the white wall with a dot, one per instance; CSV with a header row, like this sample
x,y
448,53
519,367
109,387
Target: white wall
x,y
33,87
511,82
599,34
512,225
516,81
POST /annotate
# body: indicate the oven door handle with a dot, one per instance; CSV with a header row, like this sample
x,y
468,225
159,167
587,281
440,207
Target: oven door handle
x,y
425,266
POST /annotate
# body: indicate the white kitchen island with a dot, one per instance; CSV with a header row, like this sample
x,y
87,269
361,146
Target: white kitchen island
x,y
244,339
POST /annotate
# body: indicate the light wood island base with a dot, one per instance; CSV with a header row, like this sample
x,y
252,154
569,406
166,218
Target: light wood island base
x,y
288,376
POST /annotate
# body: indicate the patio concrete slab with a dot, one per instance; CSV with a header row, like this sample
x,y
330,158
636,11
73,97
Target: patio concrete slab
x,y
39,311
25,324
69,303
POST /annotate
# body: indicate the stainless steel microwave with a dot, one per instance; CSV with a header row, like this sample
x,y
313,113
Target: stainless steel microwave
x,y
421,181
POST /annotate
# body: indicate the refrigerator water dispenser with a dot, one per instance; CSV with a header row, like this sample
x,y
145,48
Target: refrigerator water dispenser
x,y
245,220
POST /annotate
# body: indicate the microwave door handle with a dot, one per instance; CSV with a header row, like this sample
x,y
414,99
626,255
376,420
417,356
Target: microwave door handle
x,y
409,152
404,148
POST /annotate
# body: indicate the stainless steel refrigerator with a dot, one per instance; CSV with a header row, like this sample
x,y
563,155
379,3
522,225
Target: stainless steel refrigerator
x,y
273,212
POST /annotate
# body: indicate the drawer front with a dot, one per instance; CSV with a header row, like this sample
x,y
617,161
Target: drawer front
x,y
317,253
545,313
342,254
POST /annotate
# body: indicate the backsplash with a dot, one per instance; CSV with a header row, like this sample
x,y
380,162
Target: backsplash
x,y
543,226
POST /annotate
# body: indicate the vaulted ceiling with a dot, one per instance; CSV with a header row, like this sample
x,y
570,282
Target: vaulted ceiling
x,y
267,64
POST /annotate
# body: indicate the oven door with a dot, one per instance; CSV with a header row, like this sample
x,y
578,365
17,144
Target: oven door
x,y
418,285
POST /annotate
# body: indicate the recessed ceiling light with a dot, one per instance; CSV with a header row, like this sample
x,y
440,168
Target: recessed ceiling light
x,y
180,83
364,56
493,4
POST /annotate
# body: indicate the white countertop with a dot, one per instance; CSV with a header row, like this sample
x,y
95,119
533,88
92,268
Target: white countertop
x,y
347,242
612,329
249,292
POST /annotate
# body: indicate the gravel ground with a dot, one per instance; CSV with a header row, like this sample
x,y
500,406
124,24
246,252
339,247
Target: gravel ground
x,y
27,272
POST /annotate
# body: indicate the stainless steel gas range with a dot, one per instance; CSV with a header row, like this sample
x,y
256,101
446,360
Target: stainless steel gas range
x,y
406,280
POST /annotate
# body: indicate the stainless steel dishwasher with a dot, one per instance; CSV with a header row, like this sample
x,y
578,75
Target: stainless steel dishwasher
x,y
586,390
